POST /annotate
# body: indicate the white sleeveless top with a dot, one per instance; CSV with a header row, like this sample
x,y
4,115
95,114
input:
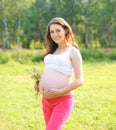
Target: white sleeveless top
x,y
60,62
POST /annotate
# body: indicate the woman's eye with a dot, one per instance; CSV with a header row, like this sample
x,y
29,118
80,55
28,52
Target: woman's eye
x,y
51,32
57,30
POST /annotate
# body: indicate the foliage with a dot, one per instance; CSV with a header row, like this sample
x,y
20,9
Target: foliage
x,y
94,102
3,57
37,58
113,55
10,17
92,54
25,21
21,56
24,56
98,54
36,45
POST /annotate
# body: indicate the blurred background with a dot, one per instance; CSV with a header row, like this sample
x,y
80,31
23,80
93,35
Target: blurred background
x,y
23,22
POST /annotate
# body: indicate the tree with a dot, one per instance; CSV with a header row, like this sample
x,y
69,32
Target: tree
x,y
11,20
6,42
24,21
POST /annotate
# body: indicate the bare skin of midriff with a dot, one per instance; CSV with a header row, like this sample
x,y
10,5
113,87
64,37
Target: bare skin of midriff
x,y
53,79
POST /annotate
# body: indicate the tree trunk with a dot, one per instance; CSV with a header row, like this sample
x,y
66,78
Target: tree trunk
x,y
19,28
6,37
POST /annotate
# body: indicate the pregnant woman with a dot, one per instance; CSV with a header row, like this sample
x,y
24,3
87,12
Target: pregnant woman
x,y
56,86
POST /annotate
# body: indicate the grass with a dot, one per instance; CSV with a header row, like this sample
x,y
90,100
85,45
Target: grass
x,y
95,102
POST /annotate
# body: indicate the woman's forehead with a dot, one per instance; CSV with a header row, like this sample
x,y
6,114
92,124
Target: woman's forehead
x,y
55,26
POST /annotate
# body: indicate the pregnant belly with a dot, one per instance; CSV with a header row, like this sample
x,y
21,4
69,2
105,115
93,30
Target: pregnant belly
x,y
53,79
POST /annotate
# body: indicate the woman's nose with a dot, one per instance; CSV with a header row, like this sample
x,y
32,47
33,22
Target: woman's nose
x,y
55,33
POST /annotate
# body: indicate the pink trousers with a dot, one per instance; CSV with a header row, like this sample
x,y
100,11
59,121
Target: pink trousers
x,y
56,111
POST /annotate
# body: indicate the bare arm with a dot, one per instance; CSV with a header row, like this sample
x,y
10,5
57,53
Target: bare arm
x,y
78,71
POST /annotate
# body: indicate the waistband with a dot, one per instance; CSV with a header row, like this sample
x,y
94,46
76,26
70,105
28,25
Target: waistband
x,y
71,96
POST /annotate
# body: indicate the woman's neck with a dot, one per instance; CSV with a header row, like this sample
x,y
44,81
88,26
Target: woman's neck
x,y
63,46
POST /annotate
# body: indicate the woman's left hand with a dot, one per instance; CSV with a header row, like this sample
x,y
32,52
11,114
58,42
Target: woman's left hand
x,y
53,93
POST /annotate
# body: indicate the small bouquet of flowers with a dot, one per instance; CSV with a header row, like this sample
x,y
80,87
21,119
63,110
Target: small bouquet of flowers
x,y
36,74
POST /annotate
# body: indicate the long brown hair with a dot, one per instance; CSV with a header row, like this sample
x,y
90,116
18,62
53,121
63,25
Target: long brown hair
x,y
50,45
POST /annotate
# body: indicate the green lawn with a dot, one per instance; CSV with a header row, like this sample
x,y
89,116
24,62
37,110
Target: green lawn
x,y
95,102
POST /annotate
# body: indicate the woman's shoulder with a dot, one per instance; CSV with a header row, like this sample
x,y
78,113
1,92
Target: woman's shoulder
x,y
74,49
75,52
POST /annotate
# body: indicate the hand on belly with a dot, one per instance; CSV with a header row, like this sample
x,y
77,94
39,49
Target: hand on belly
x,y
52,82
51,93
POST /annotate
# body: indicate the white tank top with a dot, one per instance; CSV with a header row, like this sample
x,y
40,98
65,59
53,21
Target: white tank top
x,y
60,62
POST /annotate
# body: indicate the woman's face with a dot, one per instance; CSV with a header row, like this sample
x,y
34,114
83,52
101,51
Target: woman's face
x,y
57,33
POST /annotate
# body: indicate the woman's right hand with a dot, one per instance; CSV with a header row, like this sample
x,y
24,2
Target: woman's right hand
x,y
36,87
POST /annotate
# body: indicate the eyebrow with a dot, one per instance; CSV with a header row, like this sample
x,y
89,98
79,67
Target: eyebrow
x,y
55,30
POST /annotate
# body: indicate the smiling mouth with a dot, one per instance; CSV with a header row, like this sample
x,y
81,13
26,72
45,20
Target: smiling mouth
x,y
57,39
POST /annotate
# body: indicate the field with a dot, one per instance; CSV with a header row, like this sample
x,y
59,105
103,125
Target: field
x,y
95,102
